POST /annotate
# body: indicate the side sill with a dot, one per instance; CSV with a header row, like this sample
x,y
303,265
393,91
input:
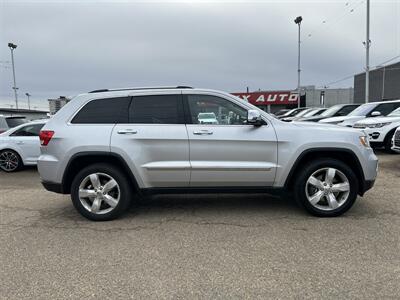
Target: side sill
x,y
214,190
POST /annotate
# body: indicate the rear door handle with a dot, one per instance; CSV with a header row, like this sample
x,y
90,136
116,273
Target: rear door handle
x,y
126,131
203,132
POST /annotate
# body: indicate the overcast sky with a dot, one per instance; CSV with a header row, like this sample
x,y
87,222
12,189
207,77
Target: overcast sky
x,y
70,47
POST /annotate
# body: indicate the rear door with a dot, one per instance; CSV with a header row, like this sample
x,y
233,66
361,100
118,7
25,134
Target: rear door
x,y
230,152
154,142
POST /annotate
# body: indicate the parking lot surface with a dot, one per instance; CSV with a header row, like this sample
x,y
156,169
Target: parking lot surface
x,y
199,246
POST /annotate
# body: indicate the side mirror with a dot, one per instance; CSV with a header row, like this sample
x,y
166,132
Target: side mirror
x,y
376,114
254,117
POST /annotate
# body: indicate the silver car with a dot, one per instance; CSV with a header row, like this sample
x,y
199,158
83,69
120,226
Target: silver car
x,y
108,146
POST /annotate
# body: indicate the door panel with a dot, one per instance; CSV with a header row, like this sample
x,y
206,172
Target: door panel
x,y
158,153
235,155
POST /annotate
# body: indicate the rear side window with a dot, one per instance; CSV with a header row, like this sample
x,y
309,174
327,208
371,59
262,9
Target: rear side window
x,y
29,130
104,111
156,109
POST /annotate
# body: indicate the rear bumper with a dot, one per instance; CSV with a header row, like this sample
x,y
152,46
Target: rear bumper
x,y
53,187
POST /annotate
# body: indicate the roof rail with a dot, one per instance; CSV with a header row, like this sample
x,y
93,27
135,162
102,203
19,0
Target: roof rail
x,y
142,88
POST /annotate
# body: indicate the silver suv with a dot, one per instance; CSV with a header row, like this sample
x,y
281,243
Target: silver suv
x,y
108,146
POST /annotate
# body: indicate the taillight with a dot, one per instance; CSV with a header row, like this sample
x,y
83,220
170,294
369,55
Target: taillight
x,y
45,137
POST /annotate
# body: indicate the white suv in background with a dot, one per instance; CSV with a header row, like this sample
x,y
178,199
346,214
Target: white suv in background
x,y
107,146
380,129
373,109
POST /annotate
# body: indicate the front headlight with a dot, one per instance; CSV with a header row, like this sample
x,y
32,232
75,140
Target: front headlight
x,y
364,141
378,125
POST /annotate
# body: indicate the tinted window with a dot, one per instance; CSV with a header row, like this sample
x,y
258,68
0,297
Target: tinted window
x,y
345,110
386,108
29,130
156,109
13,122
104,111
214,110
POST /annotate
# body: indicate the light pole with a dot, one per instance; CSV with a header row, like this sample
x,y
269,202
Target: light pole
x,y
29,102
367,44
298,22
12,48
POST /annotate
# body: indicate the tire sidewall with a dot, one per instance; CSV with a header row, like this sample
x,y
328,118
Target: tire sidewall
x,y
303,176
125,191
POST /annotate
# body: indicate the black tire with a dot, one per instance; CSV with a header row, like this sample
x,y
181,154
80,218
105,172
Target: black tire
x,y
125,191
388,142
304,174
18,160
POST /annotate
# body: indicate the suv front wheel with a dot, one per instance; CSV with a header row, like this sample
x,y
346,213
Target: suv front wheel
x,y
326,187
100,192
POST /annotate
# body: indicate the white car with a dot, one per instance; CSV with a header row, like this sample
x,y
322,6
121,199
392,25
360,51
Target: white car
x,y
381,129
20,146
207,118
396,141
373,109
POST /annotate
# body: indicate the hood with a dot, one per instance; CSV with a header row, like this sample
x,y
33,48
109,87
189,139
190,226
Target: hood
x,y
341,119
329,127
379,120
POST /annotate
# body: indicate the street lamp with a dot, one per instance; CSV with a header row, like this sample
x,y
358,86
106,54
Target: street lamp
x,y
298,22
12,48
29,102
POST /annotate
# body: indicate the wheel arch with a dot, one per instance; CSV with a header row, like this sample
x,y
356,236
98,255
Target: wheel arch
x,y
83,159
345,155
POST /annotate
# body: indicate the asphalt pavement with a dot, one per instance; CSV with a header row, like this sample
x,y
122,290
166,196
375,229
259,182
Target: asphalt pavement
x,y
199,246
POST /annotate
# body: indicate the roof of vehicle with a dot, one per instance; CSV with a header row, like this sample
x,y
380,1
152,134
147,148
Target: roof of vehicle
x,y
142,88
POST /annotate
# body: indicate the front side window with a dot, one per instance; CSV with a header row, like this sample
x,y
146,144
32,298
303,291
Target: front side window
x,y
156,109
29,130
206,109
104,111
346,110
386,108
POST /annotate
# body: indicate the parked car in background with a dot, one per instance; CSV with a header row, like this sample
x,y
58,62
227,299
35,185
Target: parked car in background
x,y
7,122
207,118
396,141
280,112
333,111
380,129
20,146
105,147
292,112
373,109
307,112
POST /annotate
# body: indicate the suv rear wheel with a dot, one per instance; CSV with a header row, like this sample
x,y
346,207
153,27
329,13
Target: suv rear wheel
x,y
326,188
101,192
10,161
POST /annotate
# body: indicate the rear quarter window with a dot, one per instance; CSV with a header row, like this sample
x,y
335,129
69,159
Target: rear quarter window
x,y
104,111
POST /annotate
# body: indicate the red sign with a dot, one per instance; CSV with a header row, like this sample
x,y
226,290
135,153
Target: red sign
x,y
269,98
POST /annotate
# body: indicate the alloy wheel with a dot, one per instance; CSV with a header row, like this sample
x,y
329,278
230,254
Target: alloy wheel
x,y
99,193
327,189
9,161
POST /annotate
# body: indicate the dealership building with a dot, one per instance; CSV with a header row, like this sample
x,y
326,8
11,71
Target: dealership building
x,y
273,101
384,84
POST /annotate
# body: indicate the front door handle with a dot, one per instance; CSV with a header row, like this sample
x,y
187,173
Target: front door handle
x,y
127,131
20,142
203,132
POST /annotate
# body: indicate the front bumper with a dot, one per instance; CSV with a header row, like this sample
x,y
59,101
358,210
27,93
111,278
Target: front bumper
x,y
53,187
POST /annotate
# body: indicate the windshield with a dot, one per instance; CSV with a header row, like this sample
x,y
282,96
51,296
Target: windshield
x,y
304,112
312,113
362,110
12,122
395,113
331,110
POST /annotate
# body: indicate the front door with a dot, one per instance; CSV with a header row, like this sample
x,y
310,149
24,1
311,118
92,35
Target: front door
x,y
224,150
